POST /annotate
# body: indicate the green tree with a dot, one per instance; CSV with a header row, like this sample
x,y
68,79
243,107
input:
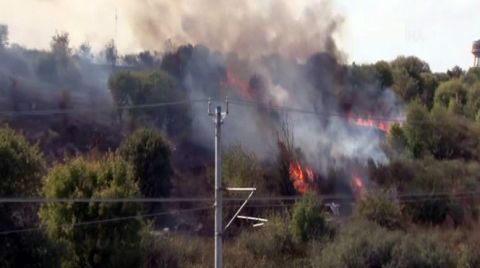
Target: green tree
x,y
472,76
451,94
107,244
21,167
430,84
309,220
405,86
418,129
397,138
149,154
140,88
456,72
407,77
413,65
384,74
472,106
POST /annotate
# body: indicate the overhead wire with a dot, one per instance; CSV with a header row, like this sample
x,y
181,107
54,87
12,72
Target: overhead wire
x,y
109,220
32,200
98,109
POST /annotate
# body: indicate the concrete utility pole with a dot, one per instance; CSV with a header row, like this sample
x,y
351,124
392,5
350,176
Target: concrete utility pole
x,y
218,117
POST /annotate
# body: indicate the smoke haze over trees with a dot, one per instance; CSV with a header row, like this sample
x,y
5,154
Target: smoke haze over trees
x,y
394,145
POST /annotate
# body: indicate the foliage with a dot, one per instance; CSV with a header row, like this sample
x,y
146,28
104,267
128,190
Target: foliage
x,y
21,167
363,244
449,93
177,250
57,66
140,88
397,138
418,129
472,107
108,244
149,154
309,220
382,208
408,78
242,168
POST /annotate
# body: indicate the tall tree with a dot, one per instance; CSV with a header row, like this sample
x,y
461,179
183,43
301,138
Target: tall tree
x,y
3,35
111,53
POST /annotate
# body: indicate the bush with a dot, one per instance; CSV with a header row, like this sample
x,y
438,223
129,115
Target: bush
x,y
109,244
381,207
176,250
421,251
358,244
240,168
149,154
363,244
269,246
309,221
21,167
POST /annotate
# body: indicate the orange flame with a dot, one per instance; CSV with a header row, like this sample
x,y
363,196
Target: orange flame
x,y
300,177
359,188
369,122
234,81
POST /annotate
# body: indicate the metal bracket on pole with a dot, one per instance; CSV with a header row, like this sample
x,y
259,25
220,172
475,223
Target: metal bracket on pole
x,y
252,191
260,221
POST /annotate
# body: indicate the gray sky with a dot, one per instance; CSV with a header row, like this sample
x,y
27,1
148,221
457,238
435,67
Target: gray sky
x,y
440,32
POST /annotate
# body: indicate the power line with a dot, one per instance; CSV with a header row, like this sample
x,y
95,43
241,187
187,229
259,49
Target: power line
x,y
248,103
86,110
116,219
227,199
289,109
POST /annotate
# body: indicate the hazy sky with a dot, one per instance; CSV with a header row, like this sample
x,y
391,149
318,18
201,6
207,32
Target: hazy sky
x,y
438,31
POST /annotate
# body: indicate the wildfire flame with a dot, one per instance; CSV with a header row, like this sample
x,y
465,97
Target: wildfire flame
x,y
235,82
358,186
301,177
369,122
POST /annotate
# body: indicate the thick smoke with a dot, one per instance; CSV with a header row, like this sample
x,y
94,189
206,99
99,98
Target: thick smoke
x,y
251,29
260,54
284,58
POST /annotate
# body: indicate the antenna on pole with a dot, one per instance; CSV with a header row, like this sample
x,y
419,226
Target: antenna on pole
x,y
116,23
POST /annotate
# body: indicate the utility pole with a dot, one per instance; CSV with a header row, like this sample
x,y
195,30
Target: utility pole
x,y
218,117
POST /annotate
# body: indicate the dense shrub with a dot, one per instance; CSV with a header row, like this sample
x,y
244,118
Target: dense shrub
x,y
382,208
363,244
149,154
108,244
309,220
21,168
